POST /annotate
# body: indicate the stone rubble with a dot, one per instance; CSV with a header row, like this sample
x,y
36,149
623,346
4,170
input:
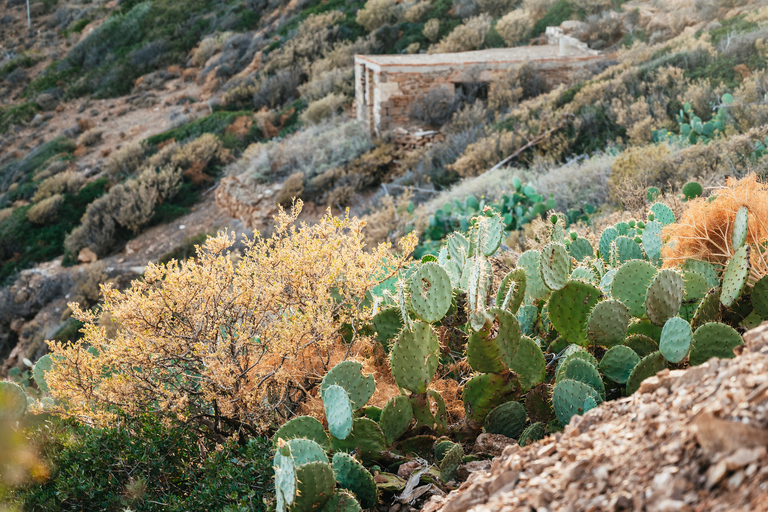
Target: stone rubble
x,y
688,440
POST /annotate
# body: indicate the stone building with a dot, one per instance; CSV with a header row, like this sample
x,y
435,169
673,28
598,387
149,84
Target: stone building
x,y
387,85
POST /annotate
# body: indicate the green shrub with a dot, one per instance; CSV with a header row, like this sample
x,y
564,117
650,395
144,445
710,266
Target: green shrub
x,y
23,171
558,13
17,114
142,465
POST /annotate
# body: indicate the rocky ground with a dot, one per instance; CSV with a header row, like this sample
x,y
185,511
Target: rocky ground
x,y
688,440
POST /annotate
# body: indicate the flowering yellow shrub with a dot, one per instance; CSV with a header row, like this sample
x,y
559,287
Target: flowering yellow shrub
x,y
231,345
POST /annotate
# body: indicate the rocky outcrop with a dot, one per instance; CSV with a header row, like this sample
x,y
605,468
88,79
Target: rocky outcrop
x,y
253,206
688,440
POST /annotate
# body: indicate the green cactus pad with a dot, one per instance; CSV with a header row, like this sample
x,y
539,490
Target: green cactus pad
x,y
342,502
714,340
535,289
708,310
648,366
589,404
606,240
534,432
338,411
607,323
582,371
441,448
735,276
370,411
484,392
568,399
572,352
13,401
663,214
315,485
366,440
652,194
422,405
641,344
305,451
349,375
388,324
580,249
625,249
305,427
529,364
285,477
451,463
617,363
511,290
605,283
492,348
395,418
569,308
675,339
646,328
696,288
630,285
704,268
585,274
538,404
692,190
353,476
664,296
490,231
431,292
526,317
458,248
508,419
414,358
760,297
44,364
652,240
740,228
480,268
555,266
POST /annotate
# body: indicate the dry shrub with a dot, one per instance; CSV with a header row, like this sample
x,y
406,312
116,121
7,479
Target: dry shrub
x,y
338,81
390,220
377,13
90,137
163,156
208,47
705,230
640,167
469,36
537,8
228,345
496,8
195,174
592,6
45,211
126,160
322,109
517,84
203,150
83,125
316,36
5,213
52,169
416,12
65,183
435,107
431,29
514,26
89,280
292,189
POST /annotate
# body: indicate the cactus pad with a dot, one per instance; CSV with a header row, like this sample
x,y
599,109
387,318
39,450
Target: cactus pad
x,y
395,418
342,502
648,366
760,297
582,371
714,340
692,190
555,266
285,476
534,432
580,249
529,364
606,281
493,347
736,274
349,375
431,292
617,363
696,288
508,419
607,323
740,228
44,364
664,296
641,344
303,427
451,462
708,310
662,214
704,268
652,240
526,317
442,448
484,392
625,249
630,285
414,358
489,231
606,240
646,328
585,274
535,289
305,451
568,399
366,439
589,404
13,401
538,404
388,324
569,308
315,485
511,290
422,405
338,411
351,475
675,339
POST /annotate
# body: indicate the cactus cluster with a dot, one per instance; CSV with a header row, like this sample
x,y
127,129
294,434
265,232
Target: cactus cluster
x,y
18,395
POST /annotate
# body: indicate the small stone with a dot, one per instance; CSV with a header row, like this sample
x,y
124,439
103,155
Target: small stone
x,y
649,385
573,472
743,457
715,474
670,506
546,450
736,480
87,255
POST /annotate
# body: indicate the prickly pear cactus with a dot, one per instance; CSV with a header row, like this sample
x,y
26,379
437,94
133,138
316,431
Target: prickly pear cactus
x,y
630,285
692,190
607,323
735,276
529,364
305,427
568,399
760,297
353,476
532,433
451,462
714,340
338,411
618,362
431,292
349,375
648,366
13,401
555,266
676,339
664,296
414,358
396,416
342,501
508,419
569,309
511,291
740,228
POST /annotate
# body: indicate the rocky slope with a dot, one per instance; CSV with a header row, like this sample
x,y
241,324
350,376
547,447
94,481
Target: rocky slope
x,y
688,440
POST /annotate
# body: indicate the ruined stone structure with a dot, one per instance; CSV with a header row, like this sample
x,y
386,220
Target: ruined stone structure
x,y
387,85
